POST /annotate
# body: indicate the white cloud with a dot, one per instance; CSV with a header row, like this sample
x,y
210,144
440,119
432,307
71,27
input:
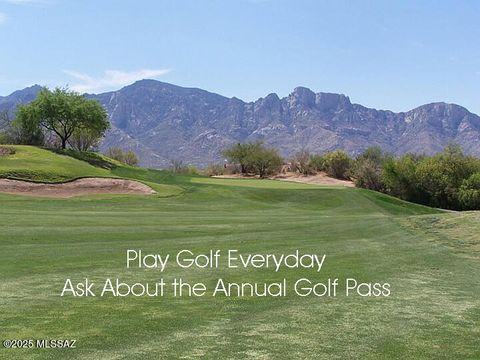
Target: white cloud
x,y
111,79
3,18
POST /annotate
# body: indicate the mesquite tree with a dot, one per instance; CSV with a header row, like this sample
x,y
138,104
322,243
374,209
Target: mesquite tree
x,y
63,112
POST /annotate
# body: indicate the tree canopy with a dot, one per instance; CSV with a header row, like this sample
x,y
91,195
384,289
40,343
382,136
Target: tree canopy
x,y
63,113
255,158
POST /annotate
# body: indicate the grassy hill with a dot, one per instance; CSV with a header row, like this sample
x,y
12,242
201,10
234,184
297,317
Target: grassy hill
x,y
430,258
35,164
41,165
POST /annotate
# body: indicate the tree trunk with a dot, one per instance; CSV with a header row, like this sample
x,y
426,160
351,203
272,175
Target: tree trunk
x,y
64,144
262,172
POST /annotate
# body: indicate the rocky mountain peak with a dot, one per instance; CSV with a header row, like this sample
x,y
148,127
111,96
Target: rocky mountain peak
x,y
332,102
438,114
301,96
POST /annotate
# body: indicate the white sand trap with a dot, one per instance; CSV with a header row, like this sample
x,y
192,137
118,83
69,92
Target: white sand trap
x,y
86,186
318,179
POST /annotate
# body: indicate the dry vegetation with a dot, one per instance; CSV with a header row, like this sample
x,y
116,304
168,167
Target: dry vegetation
x,y
6,150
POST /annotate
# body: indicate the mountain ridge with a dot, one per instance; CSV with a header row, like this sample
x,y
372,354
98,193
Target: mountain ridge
x,y
162,121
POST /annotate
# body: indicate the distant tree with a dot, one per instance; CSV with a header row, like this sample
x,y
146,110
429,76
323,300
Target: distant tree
x,y
368,168
302,163
4,119
85,139
12,134
337,164
115,153
317,162
215,170
177,166
369,175
62,112
4,126
264,161
375,154
238,154
449,180
22,133
440,177
400,179
469,193
255,158
125,157
131,158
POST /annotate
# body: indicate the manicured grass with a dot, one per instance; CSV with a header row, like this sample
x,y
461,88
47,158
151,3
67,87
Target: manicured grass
x,y
433,312
35,164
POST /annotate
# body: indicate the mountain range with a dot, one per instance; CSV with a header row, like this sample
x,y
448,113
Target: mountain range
x,y
163,122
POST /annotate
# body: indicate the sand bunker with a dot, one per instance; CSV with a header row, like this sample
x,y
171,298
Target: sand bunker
x,y
319,179
86,186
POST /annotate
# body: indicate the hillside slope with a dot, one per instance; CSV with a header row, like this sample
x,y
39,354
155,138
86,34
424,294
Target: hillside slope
x,y
36,164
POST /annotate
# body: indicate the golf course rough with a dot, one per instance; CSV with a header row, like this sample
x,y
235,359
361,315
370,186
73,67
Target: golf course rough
x,y
430,258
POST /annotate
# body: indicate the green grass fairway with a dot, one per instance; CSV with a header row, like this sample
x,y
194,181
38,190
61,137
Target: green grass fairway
x,y
430,258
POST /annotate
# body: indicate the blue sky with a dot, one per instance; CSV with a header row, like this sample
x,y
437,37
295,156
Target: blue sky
x,y
384,54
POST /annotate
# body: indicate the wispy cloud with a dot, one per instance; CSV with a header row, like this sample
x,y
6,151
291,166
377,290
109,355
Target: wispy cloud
x,y
111,79
3,18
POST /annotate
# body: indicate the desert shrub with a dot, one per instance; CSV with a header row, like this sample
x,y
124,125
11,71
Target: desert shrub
x,y
130,158
368,175
4,125
367,170
4,119
337,164
6,128
375,154
301,163
115,153
215,170
192,170
440,177
125,157
400,179
3,138
232,169
177,166
448,180
7,150
317,162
